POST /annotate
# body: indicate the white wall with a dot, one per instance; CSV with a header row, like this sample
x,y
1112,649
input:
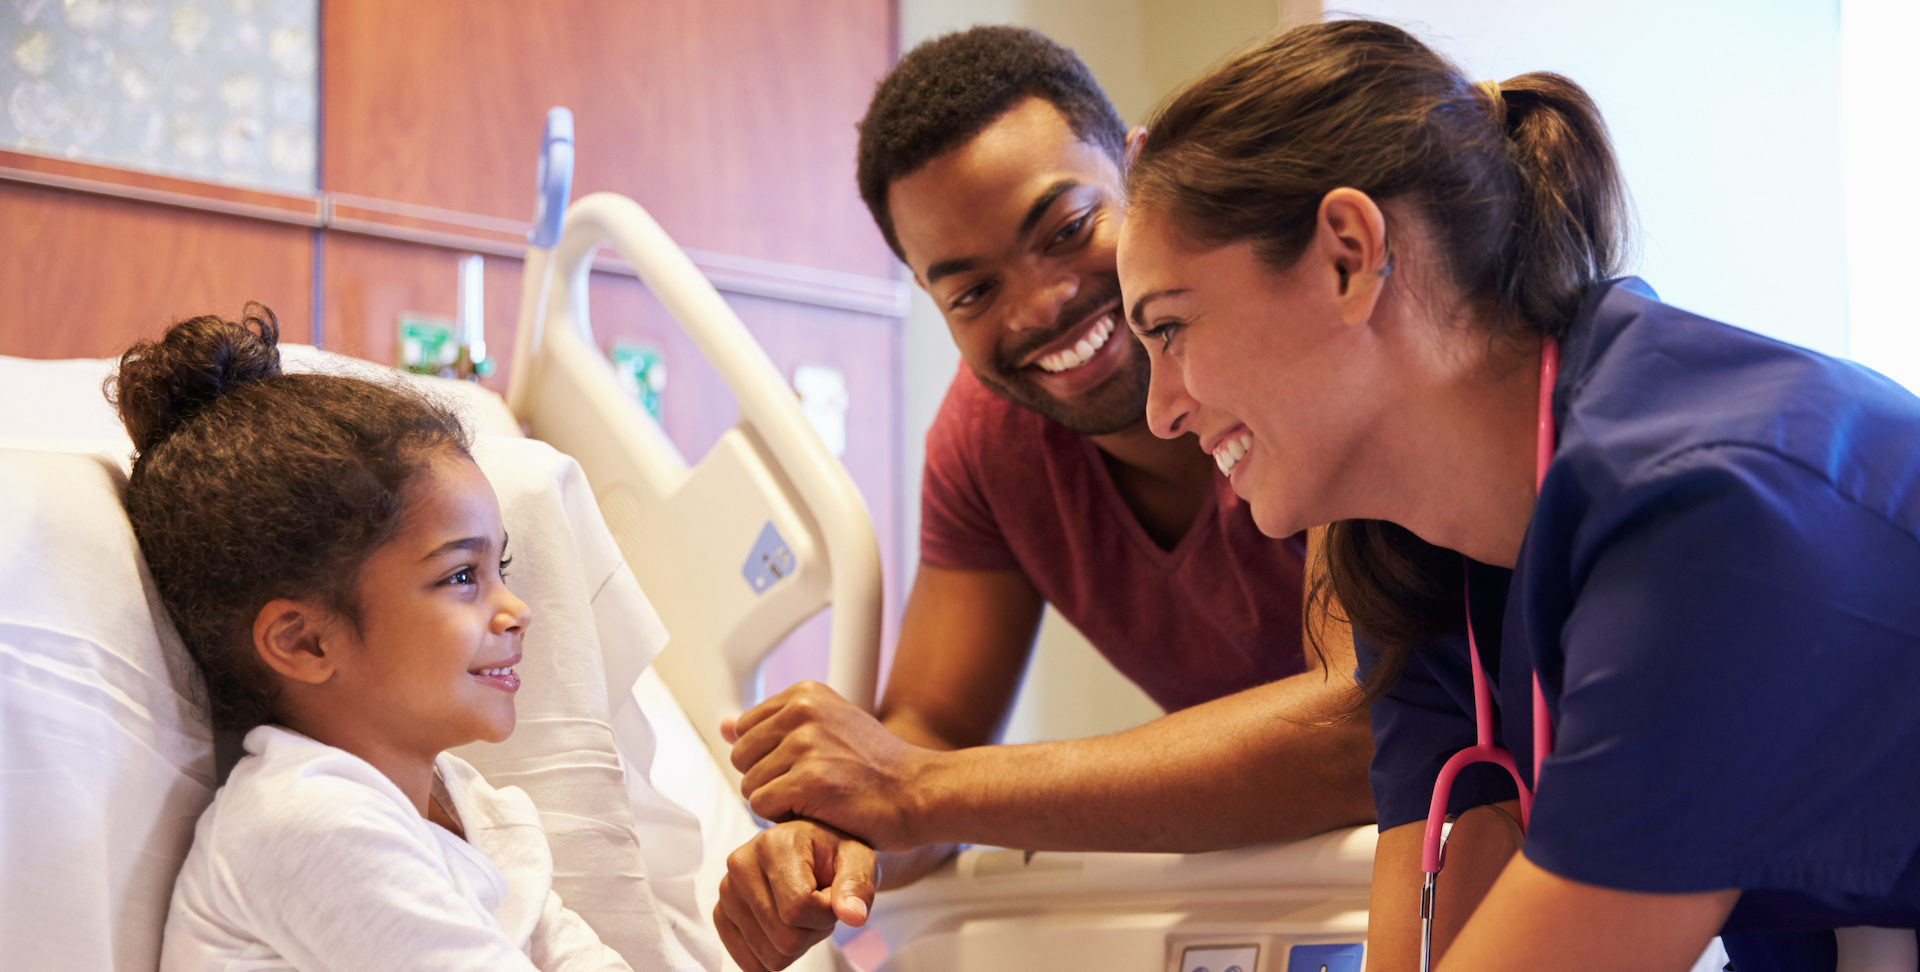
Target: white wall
x,y
1726,117
1880,123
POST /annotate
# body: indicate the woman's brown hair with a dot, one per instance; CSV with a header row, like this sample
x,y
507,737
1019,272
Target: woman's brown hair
x,y
1515,185
251,485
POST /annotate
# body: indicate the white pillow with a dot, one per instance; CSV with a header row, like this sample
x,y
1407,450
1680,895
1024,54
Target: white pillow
x,y
104,762
64,399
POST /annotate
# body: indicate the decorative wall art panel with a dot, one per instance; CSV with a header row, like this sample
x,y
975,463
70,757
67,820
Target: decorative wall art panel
x,y
221,90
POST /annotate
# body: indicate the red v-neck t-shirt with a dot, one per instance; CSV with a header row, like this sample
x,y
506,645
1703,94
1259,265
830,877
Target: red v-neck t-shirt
x,y
1007,489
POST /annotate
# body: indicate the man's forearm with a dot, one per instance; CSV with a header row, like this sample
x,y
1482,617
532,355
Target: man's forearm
x,y
899,870
1258,766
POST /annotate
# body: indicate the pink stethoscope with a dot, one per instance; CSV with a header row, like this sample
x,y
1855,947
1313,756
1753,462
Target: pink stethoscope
x,y
1483,750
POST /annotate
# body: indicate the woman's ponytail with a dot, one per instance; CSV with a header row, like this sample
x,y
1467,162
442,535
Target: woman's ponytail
x,y
1570,229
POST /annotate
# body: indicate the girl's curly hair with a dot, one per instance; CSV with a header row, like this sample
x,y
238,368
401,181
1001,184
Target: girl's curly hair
x,y
250,485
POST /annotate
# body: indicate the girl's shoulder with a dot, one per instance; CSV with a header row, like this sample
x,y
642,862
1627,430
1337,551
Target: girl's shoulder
x,y
296,795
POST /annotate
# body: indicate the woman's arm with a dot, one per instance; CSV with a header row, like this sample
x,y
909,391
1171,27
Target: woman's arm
x,y
1479,846
1535,919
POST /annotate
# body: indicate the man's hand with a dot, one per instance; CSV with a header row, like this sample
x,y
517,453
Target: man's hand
x,y
786,888
809,753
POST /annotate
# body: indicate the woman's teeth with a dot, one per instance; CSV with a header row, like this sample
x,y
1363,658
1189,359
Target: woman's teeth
x,y
494,671
1227,454
1082,352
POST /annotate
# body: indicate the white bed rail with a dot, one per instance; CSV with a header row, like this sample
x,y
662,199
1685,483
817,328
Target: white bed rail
x,y
766,529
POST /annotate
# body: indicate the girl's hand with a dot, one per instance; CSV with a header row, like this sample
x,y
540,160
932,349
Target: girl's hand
x,y
787,888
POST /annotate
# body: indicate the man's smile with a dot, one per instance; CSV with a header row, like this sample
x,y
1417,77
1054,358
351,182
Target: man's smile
x,y
1078,346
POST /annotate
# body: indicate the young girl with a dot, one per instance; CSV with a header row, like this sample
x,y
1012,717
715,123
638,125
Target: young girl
x,y
335,563
1687,556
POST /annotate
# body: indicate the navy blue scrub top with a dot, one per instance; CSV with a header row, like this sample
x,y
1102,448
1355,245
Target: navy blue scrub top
x,y
1720,589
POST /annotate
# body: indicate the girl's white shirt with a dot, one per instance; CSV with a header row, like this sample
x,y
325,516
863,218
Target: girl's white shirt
x,y
310,859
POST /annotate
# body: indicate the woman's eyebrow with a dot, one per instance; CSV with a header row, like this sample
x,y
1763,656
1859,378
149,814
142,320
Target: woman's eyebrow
x,y
1139,314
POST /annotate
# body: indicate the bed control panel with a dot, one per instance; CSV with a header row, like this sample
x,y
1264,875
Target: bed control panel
x,y
770,560
1227,955
1220,958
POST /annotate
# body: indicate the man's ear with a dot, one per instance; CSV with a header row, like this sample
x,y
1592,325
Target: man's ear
x,y
1352,239
293,637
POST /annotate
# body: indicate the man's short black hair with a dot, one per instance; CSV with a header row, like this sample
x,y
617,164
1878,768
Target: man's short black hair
x,y
947,90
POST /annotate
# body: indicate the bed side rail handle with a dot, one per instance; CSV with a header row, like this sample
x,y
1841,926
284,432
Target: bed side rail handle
x,y
553,185
853,556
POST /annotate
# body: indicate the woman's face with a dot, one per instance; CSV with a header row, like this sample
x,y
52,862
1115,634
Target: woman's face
x,y
1265,367
432,665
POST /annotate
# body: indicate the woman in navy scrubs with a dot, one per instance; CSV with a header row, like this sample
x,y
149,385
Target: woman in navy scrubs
x,y
1348,263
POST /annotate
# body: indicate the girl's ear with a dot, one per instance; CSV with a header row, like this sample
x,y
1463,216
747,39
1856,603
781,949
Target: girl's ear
x,y
291,637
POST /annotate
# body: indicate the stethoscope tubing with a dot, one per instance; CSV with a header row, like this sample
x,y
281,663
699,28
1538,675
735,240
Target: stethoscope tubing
x,y
1484,750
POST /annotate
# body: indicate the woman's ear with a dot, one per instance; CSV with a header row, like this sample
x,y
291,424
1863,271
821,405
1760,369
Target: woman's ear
x,y
1352,237
292,638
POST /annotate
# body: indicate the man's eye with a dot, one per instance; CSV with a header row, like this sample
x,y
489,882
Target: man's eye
x,y
970,295
1071,230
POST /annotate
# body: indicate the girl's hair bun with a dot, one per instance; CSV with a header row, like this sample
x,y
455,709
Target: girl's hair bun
x,y
161,384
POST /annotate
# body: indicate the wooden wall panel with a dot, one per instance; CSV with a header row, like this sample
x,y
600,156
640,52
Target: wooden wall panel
x,y
84,276
732,121
367,283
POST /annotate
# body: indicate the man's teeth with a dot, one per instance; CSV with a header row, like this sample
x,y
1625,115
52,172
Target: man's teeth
x,y
1227,454
494,671
1082,352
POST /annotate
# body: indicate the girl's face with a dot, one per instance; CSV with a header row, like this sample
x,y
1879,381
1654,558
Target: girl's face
x,y
1261,365
432,665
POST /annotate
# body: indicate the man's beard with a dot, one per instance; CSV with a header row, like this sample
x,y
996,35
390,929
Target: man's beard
x,y
1109,407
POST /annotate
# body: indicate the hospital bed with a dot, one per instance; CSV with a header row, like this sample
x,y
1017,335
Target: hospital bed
x,y
619,542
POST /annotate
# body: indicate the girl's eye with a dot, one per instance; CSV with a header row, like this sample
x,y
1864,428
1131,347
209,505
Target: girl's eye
x,y
503,567
462,577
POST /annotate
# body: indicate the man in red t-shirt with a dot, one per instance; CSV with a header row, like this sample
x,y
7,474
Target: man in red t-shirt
x,y
992,163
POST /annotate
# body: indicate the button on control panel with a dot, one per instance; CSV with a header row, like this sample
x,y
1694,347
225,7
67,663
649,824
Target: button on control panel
x,y
1325,958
